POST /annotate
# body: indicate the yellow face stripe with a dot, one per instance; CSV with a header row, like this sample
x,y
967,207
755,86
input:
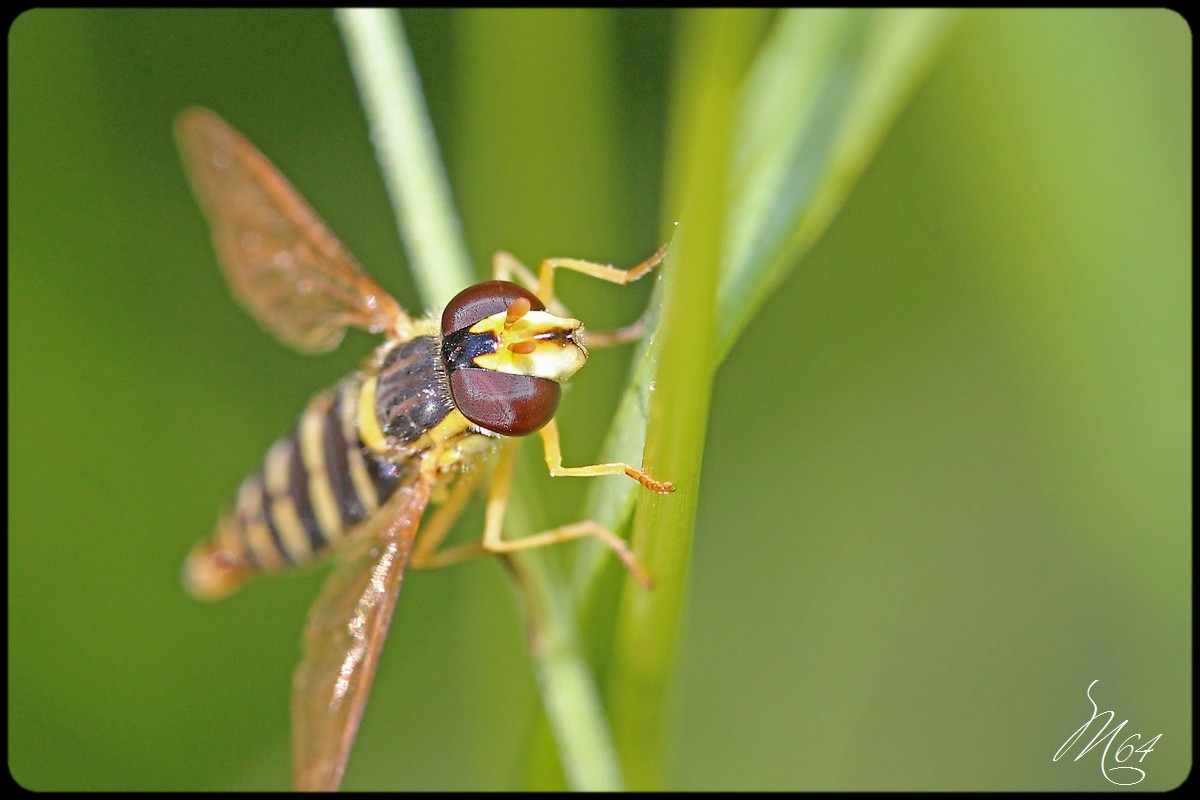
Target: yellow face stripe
x,y
358,468
312,450
538,343
283,509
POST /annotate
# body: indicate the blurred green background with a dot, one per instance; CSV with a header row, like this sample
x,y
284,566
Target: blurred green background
x,y
946,483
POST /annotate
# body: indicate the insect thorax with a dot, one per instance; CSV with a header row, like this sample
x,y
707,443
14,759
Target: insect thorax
x,y
412,393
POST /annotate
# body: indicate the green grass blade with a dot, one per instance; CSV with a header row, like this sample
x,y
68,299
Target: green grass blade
x,y
407,151
815,104
715,44
809,114
822,93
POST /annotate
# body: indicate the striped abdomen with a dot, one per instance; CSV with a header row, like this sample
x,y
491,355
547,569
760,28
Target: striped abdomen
x,y
330,474
315,486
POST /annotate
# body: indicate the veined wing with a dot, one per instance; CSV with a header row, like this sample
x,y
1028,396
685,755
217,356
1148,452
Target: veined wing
x,y
345,634
284,265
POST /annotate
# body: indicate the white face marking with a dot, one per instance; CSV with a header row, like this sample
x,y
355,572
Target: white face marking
x,y
554,351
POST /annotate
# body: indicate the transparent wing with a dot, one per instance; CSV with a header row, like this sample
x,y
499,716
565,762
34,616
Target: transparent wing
x,y
345,634
284,265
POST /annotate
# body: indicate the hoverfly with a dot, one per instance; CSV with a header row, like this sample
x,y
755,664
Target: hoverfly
x,y
355,475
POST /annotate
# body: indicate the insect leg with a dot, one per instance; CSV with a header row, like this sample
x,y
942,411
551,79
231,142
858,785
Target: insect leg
x,y
505,267
554,463
426,554
630,333
605,272
498,503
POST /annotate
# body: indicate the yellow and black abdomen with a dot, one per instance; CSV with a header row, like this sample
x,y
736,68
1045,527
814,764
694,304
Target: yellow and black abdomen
x,y
329,474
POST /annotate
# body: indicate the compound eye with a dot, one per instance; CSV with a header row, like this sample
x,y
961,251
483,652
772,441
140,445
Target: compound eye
x,y
482,301
511,405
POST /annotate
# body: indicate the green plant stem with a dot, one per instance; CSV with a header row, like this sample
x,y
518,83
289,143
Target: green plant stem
x,y
569,694
407,150
809,113
417,184
568,690
824,87
714,46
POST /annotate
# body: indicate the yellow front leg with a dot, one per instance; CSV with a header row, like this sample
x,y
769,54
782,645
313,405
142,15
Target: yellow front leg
x,y
506,267
605,272
497,504
554,462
